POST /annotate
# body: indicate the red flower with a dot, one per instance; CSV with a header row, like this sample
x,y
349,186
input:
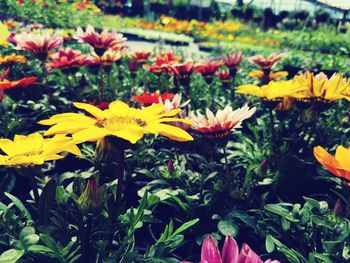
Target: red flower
x,y
208,70
232,61
67,60
183,71
140,56
151,98
133,67
100,41
224,76
21,83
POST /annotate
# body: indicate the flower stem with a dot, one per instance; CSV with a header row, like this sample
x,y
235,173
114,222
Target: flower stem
x,y
34,186
101,82
120,176
226,164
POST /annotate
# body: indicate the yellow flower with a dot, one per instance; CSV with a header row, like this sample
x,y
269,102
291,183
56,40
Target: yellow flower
x,y
272,75
118,120
320,88
13,58
272,91
4,34
35,150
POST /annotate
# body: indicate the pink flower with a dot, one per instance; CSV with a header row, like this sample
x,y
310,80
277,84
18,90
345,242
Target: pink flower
x,y
183,71
221,124
67,60
230,253
232,61
39,45
100,41
207,70
266,63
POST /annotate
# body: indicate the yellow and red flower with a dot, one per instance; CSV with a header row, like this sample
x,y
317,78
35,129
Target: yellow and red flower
x,y
168,58
9,60
140,56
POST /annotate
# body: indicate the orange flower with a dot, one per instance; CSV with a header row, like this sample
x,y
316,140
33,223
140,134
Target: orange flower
x,y
140,56
338,165
168,58
153,68
7,84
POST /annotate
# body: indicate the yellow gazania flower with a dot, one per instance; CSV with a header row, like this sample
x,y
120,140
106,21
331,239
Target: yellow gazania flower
x,y
118,120
13,58
321,88
273,75
4,34
272,91
35,150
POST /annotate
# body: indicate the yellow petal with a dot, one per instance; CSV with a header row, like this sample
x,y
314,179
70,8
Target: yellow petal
x,y
169,131
94,111
90,134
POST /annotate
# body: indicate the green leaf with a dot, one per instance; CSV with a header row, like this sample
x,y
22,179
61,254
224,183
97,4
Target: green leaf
x,y
47,198
227,228
269,244
20,206
49,241
39,249
185,226
11,256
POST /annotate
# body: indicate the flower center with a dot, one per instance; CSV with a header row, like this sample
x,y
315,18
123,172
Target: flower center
x,y
116,123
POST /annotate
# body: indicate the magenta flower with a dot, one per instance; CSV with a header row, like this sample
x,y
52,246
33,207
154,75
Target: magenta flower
x,y
230,253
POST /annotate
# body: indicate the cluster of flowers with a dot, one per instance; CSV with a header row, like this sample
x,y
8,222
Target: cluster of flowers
x,y
305,91
217,30
77,5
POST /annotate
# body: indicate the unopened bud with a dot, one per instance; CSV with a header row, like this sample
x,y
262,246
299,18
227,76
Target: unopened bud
x,y
92,197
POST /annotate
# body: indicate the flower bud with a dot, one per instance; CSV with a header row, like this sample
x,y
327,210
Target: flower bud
x,y
171,168
92,197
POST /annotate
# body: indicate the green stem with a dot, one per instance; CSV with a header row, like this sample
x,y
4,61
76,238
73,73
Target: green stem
x,y
226,164
120,176
34,186
101,82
